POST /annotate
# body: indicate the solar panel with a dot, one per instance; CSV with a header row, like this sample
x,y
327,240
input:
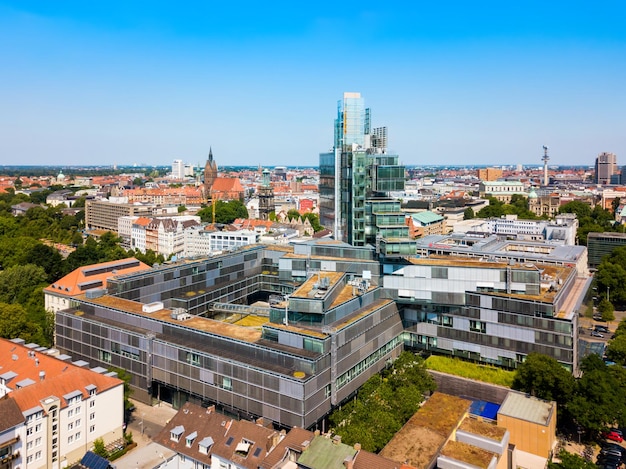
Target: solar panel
x,y
93,461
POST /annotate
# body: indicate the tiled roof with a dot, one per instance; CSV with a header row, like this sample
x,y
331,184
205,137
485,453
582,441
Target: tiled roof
x,y
243,442
10,414
49,376
296,439
222,184
94,276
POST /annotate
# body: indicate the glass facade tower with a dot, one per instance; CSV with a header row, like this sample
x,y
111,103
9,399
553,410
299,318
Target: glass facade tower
x,y
356,178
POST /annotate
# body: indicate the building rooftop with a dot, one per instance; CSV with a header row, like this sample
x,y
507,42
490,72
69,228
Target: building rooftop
x,y
524,407
420,439
42,375
469,454
324,453
94,276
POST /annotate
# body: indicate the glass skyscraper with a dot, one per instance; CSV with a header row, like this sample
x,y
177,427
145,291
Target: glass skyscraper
x,y
355,181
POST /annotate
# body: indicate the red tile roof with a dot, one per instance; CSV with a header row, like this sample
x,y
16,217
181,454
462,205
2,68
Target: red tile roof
x,y
60,377
94,276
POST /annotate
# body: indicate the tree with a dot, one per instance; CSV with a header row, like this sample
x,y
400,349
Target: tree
x,y
616,349
468,213
543,377
14,323
182,209
605,307
571,461
126,377
100,449
581,209
18,282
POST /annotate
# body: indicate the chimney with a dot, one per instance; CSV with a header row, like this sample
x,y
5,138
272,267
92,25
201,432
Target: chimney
x,y
42,375
260,421
337,439
348,463
357,447
210,409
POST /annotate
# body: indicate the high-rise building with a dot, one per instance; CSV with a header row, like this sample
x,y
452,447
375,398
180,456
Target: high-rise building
x,y
356,178
606,166
178,169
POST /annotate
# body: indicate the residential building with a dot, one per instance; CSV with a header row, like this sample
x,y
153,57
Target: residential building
x,y
64,407
356,179
606,166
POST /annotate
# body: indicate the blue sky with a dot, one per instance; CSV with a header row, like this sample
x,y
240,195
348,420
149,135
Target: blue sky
x,y
456,82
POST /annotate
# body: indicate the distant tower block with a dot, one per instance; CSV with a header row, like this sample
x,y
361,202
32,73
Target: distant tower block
x,y
545,160
266,197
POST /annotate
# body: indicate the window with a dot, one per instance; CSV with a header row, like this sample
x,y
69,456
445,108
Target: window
x,y
227,384
478,326
92,428
29,431
446,321
70,413
38,455
29,445
38,442
77,410
77,435
92,416
29,459
70,426
77,423
38,427
92,403
104,356
70,439
193,358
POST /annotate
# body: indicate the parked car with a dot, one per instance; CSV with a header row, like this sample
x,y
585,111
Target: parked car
x,y
596,334
601,329
598,317
613,435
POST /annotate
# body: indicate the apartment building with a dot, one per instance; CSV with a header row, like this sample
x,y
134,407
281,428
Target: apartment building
x,y
53,409
501,190
104,214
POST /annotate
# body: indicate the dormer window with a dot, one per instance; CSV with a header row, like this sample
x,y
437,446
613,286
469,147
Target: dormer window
x,y
176,433
244,447
204,446
91,389
190,438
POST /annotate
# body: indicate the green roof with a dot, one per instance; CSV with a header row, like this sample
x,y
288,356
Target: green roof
x,y
426,218
323,453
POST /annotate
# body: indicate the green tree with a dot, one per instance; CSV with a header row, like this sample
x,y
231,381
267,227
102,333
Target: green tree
x,y
100,449
616,349
581,209
543,377
14,323
18,282
571,461
182,209
605,307
468,213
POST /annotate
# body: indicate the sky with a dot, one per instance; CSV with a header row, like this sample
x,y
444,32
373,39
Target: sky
x,y
456,82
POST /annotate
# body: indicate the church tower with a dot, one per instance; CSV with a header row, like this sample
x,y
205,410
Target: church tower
x,y
210,173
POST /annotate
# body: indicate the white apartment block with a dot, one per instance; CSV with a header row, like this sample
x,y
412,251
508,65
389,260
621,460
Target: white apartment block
x,y
202,242
54,410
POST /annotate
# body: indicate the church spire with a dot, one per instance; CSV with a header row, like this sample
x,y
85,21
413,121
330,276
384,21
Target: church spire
x,y
210,154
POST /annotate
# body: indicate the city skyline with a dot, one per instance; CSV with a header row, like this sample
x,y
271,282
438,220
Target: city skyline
x,y
151,83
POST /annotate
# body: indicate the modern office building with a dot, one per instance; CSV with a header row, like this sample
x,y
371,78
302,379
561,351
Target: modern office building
x,y
606,166
603,244
104,214
178,169
194,330
184,331
356,178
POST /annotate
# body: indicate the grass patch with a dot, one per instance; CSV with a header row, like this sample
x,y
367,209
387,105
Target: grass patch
x,y
485,373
